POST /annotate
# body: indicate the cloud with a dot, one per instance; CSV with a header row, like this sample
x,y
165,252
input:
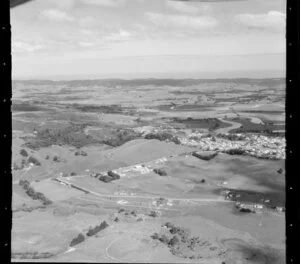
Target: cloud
x,y
61,4
25,46
56,15
88,22
108,3
124,34
182,21
182,7
86,44
119,36
209,1
273,20
88,32
187,7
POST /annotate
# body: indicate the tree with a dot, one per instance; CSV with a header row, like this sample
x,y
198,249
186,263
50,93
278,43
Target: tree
x,y
174,230
114,175
23,152
34,161
160,172
155,236
174,241
133,213
80,238
105,178
94,230
103,225
164,239
153,214
24,183
168,225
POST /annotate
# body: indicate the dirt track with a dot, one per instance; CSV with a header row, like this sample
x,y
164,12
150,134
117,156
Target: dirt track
x,y
142,196
225,130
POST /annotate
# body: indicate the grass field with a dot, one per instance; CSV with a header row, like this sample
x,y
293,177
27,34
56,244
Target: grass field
x,y
67,134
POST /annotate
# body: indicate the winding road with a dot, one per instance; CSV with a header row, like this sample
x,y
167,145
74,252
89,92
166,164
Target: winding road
x,y
225,130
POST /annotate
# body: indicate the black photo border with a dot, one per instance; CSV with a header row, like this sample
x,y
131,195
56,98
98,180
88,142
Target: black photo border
x,y
292,137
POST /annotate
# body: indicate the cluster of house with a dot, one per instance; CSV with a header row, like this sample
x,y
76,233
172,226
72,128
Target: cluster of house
x,y
251,144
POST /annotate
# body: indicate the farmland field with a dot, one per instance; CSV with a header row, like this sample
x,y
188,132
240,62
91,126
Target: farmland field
x,y
183,171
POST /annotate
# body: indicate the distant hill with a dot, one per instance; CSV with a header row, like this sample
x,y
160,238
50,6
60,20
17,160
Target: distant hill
x,y
153,81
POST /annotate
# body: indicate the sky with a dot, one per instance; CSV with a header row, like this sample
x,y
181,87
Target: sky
x,y
77,39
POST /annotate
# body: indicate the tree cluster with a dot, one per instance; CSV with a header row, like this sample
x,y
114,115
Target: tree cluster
x,y
34,194
120,137
153,214
160,172
73,135
94,230
31,255
23,153
80,153
33,160
111,176
171,242
163,136
235,151
80,238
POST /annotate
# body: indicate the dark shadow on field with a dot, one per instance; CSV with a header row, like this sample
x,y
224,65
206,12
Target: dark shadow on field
x,y
268,199
263,172
105,109
26,107
184,108
244,252
261,255
248,126
203,123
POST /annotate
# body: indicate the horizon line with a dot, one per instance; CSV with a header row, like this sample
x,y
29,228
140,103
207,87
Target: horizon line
x,y
151,78
269,74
